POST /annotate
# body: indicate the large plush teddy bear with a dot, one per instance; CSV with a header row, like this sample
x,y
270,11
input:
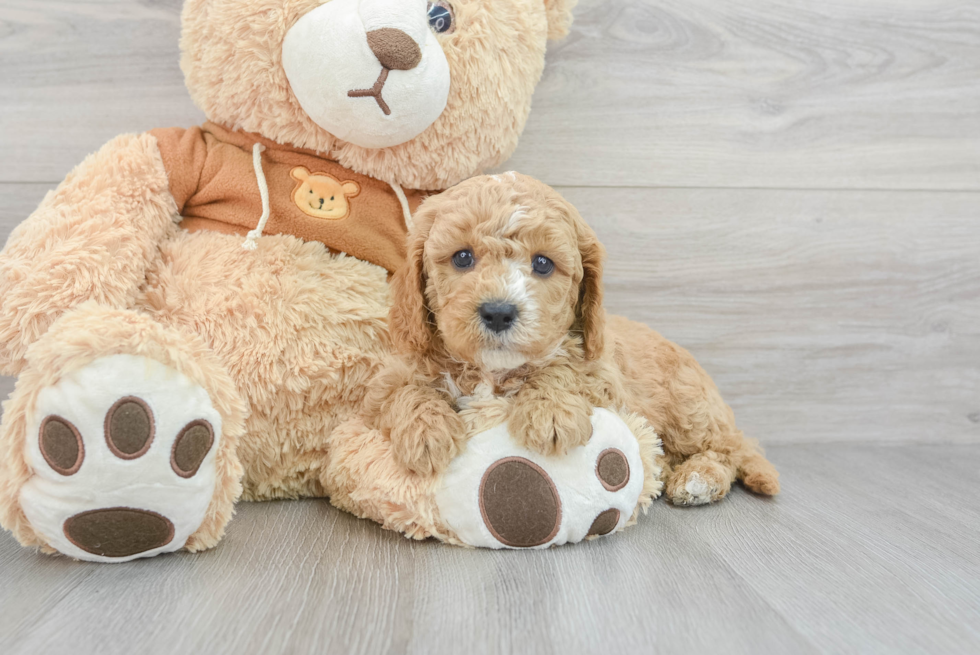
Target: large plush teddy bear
x,y
194,315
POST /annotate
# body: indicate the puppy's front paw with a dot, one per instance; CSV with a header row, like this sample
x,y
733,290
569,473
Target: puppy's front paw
x,y
426,442
551,423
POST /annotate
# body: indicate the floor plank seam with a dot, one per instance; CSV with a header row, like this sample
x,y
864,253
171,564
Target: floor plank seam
x,y
891,443
654,187
763,188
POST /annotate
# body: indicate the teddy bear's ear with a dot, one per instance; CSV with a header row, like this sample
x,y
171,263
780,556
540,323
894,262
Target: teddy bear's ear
x,y
559,17
351,189
300,174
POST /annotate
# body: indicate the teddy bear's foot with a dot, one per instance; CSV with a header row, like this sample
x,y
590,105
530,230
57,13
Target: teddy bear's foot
x,y
123,455
497,494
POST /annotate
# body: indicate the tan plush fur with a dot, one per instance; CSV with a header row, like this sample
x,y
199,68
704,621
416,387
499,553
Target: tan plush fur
x,y
232,59
285,338
561,356
91,239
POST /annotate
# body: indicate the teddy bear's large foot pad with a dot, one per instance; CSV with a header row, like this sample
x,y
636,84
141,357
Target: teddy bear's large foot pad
x,y
123,456
497,494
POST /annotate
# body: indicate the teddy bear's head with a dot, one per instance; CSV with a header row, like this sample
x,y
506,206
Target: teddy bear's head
x,y
409,91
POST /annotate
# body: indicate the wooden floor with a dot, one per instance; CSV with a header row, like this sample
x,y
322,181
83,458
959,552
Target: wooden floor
x,y
872,549
789,189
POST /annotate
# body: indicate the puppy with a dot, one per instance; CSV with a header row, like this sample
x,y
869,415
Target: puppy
x,y
502,295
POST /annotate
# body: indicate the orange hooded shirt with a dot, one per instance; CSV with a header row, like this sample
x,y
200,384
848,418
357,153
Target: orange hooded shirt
x,y
214,179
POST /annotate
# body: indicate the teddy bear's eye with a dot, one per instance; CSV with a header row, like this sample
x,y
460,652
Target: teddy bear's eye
x,y
441,17
331,198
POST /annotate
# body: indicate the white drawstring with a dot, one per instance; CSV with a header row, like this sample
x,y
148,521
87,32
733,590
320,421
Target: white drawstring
x,y
406,209
251,241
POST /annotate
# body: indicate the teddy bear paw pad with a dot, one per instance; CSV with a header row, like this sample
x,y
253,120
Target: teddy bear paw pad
x,y
123,459
497,494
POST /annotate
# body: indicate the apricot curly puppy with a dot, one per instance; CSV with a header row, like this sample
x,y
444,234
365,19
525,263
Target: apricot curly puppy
x,y
502,294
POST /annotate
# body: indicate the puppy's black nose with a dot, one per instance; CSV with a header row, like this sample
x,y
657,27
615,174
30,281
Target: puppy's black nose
x,y
498,316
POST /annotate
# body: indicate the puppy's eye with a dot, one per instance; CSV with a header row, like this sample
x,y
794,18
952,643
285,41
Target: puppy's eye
x,y
463,259
542,265
441,17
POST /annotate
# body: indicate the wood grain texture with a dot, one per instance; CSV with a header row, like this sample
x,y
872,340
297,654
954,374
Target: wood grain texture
x,y
76,73
870,550
843,325
822,315
761,93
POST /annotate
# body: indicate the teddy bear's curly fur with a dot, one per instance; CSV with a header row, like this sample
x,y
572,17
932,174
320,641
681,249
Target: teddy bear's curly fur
x,y
283,339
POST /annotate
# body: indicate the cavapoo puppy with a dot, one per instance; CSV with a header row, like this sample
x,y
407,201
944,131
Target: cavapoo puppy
x,y
502,295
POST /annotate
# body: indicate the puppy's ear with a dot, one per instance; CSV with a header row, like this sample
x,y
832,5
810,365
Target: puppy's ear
x,y
590,313
409,320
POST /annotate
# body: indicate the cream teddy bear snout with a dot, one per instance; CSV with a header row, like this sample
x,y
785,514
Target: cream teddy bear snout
x,y
371,72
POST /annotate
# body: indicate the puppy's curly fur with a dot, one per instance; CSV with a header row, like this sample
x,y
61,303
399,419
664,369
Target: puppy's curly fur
x,y
558,355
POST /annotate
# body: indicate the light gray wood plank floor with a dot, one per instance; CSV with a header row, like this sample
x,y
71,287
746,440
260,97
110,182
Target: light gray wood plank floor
x,y
789,189
870,550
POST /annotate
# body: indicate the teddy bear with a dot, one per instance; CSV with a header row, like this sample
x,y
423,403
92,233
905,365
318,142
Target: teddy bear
x,y
193,320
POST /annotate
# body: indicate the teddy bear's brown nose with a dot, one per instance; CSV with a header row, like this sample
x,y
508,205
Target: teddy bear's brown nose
x,y
395,49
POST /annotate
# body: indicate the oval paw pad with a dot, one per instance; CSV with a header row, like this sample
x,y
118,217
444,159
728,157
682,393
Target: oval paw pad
x,y
519,503
613,469
61,445
119,531
191,447
129,428
605,523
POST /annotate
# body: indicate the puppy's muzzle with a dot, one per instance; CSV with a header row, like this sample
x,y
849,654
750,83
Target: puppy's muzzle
x,y
497,316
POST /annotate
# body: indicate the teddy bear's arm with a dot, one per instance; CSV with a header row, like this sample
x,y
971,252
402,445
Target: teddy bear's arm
x,y
89,240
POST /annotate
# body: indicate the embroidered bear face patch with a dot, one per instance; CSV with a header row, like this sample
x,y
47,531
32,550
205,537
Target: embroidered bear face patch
x,y
323,196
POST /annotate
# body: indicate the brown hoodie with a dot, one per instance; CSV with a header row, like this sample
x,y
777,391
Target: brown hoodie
x,y
214,181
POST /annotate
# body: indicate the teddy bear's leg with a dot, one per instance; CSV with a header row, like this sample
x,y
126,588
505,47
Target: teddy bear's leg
x,y
90,239
119,440
497,494
362,476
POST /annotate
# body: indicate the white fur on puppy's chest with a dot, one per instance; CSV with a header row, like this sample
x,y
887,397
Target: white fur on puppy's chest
x,y
582,495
